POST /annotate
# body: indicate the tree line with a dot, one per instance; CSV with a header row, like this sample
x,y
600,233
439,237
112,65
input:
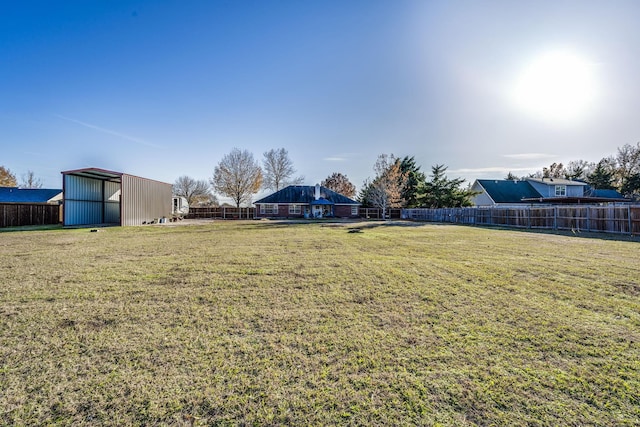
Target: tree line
x,y
620,172
28,180
397,182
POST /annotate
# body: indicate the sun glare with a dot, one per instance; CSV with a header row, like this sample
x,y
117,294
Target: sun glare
x,y
557,86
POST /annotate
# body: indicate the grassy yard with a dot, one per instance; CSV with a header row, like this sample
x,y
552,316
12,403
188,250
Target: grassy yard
x,y
259,322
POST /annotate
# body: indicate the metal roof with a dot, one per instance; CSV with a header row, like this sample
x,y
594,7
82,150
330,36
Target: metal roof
x,y
577,200
27,195
508,191
321,202
305,194
609,194
557,181
96,173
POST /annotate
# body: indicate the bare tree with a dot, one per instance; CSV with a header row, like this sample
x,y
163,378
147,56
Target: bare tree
x,y
278,169
628,169
340,184
211,200
29,180
195,191
386,189
7,179
578,169
555,170
237,176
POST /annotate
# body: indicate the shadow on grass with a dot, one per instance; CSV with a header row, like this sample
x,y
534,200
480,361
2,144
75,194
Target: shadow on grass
x,y
359,225
31,228
349,224
567,233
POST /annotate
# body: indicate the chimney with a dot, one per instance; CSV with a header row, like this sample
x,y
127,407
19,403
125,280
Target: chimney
x,y
317,192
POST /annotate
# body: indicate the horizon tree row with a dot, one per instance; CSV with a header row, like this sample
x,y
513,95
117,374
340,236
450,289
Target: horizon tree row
x,y
401,184
620,172
239,176
397,183
28,179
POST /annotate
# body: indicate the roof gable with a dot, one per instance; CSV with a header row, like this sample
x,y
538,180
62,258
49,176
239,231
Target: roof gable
x,y
508,191
557,181
305,194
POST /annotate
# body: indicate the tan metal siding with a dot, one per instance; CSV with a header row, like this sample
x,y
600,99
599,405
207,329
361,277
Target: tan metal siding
x,y
144,200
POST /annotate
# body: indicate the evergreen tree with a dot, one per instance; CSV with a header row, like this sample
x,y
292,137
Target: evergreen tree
x,y
415,182
603,176
442,192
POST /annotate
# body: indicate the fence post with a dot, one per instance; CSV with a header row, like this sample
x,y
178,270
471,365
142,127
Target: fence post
x,y
629,219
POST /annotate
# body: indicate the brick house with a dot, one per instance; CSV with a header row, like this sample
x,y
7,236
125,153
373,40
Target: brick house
x,y
306,201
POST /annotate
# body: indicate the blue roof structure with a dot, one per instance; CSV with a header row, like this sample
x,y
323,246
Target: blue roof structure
x,y
609,194
305,194
322,202
27,195
508,191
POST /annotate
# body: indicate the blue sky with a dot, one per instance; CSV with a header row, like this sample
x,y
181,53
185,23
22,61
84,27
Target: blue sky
x,y
166,88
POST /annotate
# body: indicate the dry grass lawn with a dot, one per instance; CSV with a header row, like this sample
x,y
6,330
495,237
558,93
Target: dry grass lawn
x,y
266,323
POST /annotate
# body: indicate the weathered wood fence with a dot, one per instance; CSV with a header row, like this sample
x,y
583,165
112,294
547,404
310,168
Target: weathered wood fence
x,y
226,212
221,212
376,213
19,214
619,219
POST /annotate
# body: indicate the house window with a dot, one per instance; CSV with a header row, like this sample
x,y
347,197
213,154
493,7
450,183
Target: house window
x,y
268,208
561,190
295,209
354,210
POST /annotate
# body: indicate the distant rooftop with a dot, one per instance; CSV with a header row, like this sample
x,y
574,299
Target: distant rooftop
x,y
28,195
557,181
305,194
508,191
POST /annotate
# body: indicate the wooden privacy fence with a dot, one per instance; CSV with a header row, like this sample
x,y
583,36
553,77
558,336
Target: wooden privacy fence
x,y
376,213
619,219
221,212
225,212
19,214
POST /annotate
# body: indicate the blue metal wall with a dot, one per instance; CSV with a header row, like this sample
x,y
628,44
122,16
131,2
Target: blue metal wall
x,y
83,201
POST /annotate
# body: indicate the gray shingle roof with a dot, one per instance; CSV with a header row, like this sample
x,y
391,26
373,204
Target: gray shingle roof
x,y
305,194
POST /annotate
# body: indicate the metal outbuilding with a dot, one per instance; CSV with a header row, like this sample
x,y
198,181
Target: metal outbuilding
x,y
98,196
